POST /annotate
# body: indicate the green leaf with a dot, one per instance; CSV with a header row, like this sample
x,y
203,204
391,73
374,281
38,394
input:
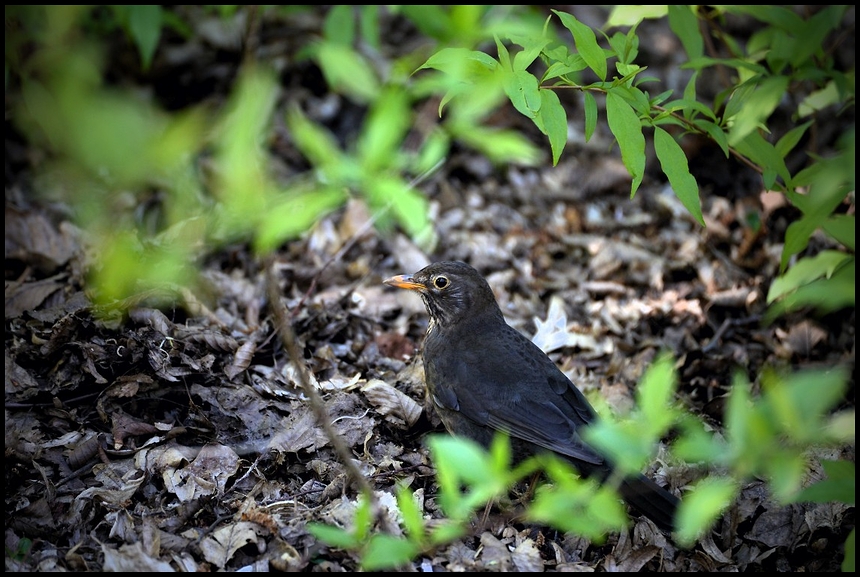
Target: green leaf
x,y
685,24
627,128
763,153
333,536
504,56
522,89
453,60
577,505
688,107
363,517
369,25
348,72
379,143
754,106
623,441
293,215
590,105
433,150
532,48
785,470
467,475
631,15
674,164
586,44
790,139
413,521
819,100
144,25
850,552
655,396
446,531
552,121
702,506
696,443
339,25
500,146
801,401
742,422
838,486
825,294
841,228
409,206
715,132
387,552
317,144
805,271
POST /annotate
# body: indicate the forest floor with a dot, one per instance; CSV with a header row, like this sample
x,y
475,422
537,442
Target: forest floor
x,y
181,439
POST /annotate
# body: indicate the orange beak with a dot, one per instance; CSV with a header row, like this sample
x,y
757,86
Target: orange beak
x,y
404,281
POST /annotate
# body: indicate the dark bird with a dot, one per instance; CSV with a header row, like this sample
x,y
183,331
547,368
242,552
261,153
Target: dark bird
x,y
484,376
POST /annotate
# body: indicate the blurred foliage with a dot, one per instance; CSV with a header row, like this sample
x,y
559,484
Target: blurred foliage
x,y
155,191
768,439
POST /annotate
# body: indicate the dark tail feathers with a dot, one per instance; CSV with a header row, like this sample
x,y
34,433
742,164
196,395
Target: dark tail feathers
x,y
651,500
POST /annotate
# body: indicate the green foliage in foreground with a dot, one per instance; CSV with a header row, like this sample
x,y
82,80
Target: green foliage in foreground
x,y
206,179
766,439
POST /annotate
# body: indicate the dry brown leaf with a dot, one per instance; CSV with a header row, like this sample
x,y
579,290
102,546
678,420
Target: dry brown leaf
x,y
396,406
131,558
220,546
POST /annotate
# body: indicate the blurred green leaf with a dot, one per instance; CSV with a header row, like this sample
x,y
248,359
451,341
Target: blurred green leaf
x,y
824,294
144,25
333,536
339,25
702,506
316,143
348,72
655,397
381,136
468,476
839,485
840,227
696,444
850,552
292,214
801,400
805,271
387,552
576,505
500,146
413,521
632,15
785,468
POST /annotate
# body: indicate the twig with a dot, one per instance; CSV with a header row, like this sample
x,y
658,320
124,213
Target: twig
x,y
288,338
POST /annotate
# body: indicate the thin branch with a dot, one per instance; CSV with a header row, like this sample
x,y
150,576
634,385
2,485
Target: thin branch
x,y
288,338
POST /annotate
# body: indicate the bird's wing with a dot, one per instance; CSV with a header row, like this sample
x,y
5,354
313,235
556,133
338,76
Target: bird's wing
x,y
509,384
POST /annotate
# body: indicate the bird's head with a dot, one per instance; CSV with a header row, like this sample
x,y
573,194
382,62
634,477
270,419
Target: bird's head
x,y
452,291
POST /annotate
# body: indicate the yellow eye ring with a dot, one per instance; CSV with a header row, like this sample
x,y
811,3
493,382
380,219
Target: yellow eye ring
x,y
441,282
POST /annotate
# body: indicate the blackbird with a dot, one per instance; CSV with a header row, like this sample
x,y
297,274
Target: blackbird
x,y
484,376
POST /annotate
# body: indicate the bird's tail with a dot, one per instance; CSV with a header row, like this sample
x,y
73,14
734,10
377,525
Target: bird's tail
x,y
651,500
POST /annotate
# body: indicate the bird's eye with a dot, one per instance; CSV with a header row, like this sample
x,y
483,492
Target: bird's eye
x,y
440,282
